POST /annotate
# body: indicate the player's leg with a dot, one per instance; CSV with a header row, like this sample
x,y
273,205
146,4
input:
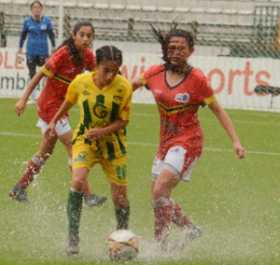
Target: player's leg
x,y
82,161
181,162
41,60
64,132
74,208
31,65
167,173
34,165
162,187
116,173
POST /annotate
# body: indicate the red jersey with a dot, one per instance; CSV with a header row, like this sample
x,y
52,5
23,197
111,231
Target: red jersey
x,y
178,106
60,70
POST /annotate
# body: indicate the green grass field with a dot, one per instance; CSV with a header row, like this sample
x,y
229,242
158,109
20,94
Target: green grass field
x,y
237,203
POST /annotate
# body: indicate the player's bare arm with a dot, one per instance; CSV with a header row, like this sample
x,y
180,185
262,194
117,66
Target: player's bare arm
x,y
227,124
97,133
21,103
137,83
66,105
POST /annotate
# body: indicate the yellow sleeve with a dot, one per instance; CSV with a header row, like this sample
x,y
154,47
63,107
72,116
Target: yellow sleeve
x,y
209,100
72,92
126,105
47,72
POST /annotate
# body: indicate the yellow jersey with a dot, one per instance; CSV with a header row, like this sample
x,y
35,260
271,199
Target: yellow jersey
x,y
99,108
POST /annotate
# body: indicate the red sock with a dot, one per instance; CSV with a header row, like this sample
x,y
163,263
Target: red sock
x,y
163,212
28,175
178,217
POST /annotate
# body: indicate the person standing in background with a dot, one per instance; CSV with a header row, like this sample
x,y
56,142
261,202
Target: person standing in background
x,y
71,58
36,28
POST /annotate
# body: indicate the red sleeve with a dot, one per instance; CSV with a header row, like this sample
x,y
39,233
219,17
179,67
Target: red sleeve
x,y
151,72
90,60
206,94
56,60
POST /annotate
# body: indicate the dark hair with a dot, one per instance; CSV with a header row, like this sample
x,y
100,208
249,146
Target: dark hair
x,y
109,53
77,58
164,38
36,2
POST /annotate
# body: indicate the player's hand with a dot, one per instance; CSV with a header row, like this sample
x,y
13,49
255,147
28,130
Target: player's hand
x,y
19,57
50,132
20,106
95,133
20,51
239,150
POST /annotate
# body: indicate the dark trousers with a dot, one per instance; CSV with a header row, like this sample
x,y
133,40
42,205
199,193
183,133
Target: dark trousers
x,y
33,61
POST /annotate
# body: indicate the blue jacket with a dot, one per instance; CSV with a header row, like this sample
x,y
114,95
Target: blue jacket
x,y
38,33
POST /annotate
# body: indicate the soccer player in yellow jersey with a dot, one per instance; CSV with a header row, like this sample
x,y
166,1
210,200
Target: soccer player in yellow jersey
x,y
104,99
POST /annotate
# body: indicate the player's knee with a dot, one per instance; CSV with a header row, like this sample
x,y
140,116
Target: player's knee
x,y
160,189
78,183
120,199
162,202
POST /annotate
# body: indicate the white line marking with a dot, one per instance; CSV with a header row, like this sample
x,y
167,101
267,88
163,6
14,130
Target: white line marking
x,y
261,123
207,149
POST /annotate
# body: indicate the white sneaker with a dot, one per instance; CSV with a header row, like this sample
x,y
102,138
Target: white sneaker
x,y
94,200
190,233
194,232
73,245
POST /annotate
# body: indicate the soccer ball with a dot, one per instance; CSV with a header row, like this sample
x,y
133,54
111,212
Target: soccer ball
x,y
123,245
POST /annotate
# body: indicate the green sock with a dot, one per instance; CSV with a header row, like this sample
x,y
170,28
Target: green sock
x,y
74,209
122,216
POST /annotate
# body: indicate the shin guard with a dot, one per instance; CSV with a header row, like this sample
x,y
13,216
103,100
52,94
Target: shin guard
x,y
33,168
178,217
163,210
74,209
122,216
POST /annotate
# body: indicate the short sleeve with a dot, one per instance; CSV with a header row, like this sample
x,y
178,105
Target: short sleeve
x,y
149,73
50,25
72,91
53,63
206,92
90,60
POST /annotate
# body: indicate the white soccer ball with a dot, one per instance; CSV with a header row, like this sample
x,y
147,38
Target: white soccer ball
x,y
123,245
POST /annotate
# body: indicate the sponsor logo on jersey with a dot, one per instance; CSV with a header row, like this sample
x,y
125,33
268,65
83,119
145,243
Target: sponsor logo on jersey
x,y
182,97
43,27
81,157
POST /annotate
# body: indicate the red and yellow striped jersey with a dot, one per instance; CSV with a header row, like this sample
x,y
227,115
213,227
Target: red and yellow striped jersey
x,y
60,70
178,106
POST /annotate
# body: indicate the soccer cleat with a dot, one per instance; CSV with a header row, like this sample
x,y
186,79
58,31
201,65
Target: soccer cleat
x,y
163,241
93,200
190,233
19,194
72,250
195,232
73,246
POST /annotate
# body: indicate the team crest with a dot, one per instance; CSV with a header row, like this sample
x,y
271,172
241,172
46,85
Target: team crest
x,y
100,111
85,93
117,99
182,97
